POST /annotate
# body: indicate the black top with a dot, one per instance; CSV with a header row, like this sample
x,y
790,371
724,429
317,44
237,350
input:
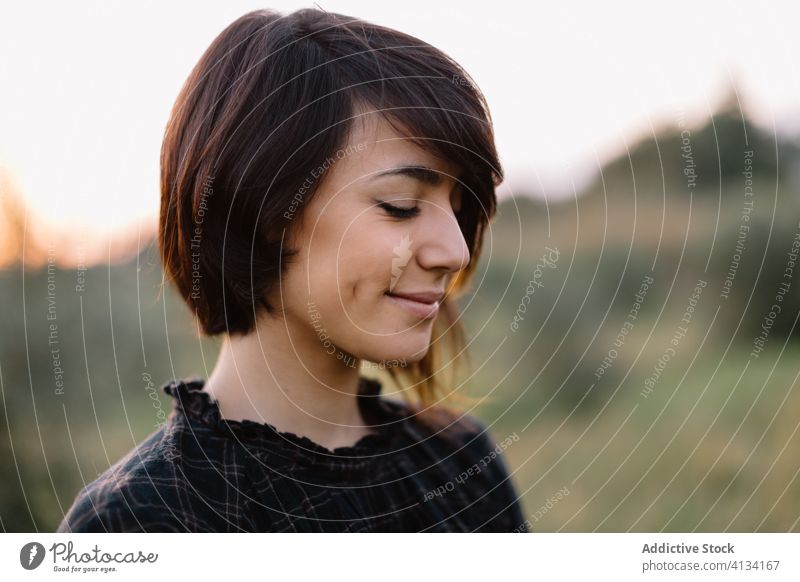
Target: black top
x,y
202,473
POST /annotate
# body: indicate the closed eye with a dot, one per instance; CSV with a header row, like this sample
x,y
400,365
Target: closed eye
x,y
397,212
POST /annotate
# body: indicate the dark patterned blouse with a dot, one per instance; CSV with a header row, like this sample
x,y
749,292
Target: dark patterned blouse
x,y
202,473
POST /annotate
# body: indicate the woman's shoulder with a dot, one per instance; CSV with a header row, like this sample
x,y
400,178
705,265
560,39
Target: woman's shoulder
x,y
470,451
125,493
453,428
155,487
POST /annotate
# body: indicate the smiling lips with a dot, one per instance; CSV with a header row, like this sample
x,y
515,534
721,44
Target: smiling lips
x,y
423,304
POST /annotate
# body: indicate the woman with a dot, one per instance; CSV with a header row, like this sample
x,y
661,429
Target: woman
x,y
326,184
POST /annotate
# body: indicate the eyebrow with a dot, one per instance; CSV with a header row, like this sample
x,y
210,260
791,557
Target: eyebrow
x,y
422,174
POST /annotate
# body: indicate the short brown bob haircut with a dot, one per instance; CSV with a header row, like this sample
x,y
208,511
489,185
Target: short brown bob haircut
x,y
271,99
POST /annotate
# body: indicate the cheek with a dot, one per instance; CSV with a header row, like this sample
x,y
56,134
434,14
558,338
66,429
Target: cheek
x,y
345,276
367,258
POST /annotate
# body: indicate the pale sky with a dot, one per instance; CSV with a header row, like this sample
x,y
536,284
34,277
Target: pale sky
x,y
87,86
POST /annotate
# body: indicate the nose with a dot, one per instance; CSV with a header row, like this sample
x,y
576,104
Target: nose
x,y
441,243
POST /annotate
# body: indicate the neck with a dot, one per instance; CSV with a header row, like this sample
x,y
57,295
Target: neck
x,y
293,383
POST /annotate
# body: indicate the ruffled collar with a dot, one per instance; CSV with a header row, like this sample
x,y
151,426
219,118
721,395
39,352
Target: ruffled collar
x,y
387,419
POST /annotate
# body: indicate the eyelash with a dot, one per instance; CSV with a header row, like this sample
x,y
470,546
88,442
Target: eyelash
x,y
396,212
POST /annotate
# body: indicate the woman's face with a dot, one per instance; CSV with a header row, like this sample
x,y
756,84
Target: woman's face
x,y
358,255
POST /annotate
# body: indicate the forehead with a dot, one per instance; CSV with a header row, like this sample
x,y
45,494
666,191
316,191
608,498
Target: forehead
x,y
375,147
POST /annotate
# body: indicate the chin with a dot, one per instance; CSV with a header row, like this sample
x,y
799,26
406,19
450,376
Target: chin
x,y
399,350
